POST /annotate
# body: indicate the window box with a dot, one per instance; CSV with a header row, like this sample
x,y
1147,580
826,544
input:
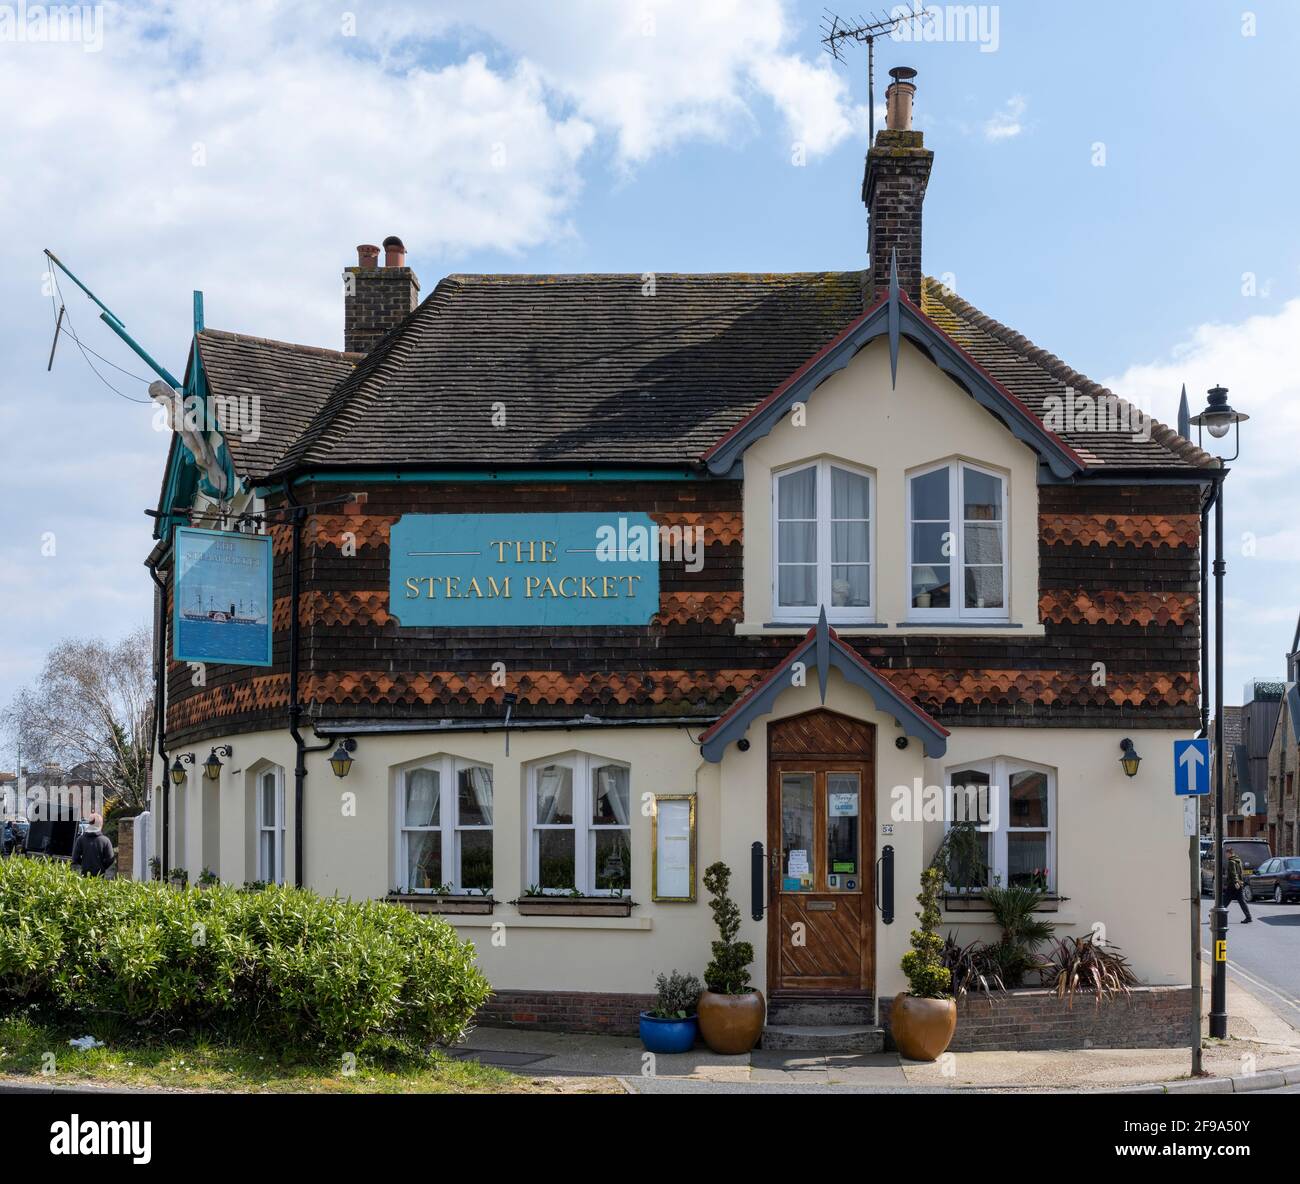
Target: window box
x,y
574,906
974,902
434,902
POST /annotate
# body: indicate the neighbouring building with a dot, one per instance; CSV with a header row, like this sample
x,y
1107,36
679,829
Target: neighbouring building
x,y
589,581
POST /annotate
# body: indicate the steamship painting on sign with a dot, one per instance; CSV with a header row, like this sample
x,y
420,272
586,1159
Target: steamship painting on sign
x,y
523,569
222,597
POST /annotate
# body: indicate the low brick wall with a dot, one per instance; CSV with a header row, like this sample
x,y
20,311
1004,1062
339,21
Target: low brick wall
x,y
1151,1017
125,847
565,1011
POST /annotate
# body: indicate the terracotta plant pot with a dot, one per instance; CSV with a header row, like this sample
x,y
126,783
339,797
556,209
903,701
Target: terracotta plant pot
x,y
732,1024
922,1028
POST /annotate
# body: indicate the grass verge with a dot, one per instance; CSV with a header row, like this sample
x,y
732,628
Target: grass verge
x,y
31,1045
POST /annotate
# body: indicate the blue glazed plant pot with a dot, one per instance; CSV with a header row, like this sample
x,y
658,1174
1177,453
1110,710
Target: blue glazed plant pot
x,y
668,1035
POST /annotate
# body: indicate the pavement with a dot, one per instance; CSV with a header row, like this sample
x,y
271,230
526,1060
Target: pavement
x,y
1261,1045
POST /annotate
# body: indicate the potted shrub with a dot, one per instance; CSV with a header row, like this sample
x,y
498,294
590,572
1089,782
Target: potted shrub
x,y
672,1024
731,1011
923,1019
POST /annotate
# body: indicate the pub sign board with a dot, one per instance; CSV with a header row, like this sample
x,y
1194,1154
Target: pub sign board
x,y
523,569
221,597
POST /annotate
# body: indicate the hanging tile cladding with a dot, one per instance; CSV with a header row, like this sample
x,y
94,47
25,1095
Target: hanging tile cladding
x,y
1118,584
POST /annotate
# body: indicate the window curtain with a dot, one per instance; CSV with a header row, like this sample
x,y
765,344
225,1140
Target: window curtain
x,y
479,781
550,784
422,798
611,783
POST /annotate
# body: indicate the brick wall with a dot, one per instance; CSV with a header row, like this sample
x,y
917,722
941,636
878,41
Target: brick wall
x,y
1151,1017
565,1011
125,847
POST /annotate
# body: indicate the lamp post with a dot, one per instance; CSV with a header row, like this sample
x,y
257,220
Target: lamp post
x,y
1218,419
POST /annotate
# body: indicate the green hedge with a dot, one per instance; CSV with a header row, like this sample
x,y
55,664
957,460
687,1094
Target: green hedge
x,y
281,965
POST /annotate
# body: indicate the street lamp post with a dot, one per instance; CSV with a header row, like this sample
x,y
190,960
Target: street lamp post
x,y
1218,419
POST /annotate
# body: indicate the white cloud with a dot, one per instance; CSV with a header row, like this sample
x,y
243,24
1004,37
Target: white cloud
x,y
1258,359
1009,121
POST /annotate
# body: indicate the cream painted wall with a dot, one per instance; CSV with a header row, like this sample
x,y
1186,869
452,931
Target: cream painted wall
x,y
855,416
1121,855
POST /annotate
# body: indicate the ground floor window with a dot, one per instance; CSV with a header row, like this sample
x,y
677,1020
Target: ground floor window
x,y
444,827
579,816
1013,804
270,825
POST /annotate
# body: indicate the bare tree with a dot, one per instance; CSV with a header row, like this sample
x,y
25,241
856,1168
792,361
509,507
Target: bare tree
x,y
92,705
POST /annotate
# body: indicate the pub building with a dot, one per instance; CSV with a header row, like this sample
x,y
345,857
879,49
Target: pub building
x,y
548,591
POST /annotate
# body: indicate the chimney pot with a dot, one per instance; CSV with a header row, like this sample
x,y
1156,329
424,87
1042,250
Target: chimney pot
x,y
394,252
898,99
367,255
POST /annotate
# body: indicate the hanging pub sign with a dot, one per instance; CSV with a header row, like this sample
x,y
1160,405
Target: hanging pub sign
x,y
523,569
221,597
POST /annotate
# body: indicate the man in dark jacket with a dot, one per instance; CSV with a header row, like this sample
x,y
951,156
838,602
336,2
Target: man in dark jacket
x,y
1236,875
92,853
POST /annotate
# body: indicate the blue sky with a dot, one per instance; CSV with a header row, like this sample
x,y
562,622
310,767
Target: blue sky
x,y
246,150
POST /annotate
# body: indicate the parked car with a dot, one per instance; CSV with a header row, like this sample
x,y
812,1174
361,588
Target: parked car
x,y
1278,880
1253,853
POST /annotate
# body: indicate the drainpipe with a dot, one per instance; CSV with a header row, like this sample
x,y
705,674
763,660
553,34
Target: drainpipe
x,y
1205,596
159,704
295,706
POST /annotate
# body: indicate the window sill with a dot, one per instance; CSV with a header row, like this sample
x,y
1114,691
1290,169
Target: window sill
x,y
868,629
961,905
433,902
574,906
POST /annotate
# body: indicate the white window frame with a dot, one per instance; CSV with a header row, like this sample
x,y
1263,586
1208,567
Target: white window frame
x,y
449,826
825,506
273,827
583,766
999,771
957,611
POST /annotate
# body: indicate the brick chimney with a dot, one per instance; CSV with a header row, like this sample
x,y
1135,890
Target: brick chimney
x,y
893,189
375,298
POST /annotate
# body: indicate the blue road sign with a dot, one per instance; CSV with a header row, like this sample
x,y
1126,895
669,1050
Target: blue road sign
x,y
1191,768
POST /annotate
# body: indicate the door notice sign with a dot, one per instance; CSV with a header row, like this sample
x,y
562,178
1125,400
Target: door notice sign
x,y
798,863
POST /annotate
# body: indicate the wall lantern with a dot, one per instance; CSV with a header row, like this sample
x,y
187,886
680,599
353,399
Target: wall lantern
x,y
341,761
212,766
178,767
1129,758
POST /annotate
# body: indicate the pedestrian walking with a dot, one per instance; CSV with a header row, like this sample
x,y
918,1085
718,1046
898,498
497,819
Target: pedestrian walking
x,y
1236,882
92,853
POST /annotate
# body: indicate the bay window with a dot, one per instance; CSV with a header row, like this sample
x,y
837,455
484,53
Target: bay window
x,y
957,543
822,515
579,818
444,827
1013,804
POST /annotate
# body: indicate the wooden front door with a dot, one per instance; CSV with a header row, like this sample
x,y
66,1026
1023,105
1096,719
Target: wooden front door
x,y
821,843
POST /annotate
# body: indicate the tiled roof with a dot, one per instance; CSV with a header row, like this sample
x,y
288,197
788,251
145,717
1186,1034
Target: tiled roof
x,y
290,383
602,369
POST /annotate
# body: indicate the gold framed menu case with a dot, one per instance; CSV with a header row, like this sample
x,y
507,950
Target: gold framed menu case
x,y
672,831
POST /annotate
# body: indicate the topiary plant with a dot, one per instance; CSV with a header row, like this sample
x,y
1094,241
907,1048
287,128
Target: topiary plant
x,y
923,963
728,973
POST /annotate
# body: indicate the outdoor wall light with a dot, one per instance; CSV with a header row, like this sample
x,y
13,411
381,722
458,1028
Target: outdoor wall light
x,y
1129,758
178,767
341,761
1218,418
212,766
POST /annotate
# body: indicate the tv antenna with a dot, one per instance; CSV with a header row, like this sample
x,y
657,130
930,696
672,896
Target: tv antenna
x,y
838,31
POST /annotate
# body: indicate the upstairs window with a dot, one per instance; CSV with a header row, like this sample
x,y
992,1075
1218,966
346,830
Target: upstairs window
x,y
823,515
445,827
957,544
579,813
